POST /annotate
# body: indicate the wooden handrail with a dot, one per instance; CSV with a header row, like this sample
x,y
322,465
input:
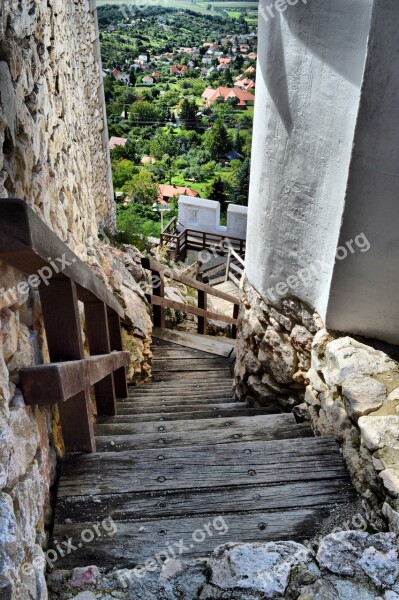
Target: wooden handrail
x,y
62,279
27,243
204,239
159,302
198,285
171,226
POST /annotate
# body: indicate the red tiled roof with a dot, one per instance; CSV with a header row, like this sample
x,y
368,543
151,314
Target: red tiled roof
x,y
211,95
168,191
116,141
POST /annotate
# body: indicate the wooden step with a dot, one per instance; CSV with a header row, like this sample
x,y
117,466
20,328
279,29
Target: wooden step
x,y
277,461
216,411
134,542
119,437
130,428
211,344
147,505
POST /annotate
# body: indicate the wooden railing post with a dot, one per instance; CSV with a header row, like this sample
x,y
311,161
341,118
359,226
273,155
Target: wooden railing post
x,y
228,264
64,339
236,312
99,343
202,303
115,338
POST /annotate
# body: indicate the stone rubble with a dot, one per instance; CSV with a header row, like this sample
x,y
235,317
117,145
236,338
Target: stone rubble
x,y
346,388
347,564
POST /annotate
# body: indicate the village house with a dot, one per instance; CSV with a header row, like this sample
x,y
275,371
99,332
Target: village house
x,y
244,98
167,192
244,84
178,70
117,141
148,80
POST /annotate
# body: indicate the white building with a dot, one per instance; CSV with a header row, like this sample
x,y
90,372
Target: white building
x,y
204,215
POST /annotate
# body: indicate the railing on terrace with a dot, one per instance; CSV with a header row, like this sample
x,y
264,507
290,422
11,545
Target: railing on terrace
x,y
63,280
160,303
194,239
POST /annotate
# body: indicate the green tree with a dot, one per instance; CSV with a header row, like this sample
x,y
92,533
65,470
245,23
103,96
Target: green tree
x,y
217,140
141,188
218,190
188,114
241,186
123,171
164,143
228,78
144,113
132,77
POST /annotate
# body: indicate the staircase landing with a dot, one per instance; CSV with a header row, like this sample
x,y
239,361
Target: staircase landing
x,y
185,465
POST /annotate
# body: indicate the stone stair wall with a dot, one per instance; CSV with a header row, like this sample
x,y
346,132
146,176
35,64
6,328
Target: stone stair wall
x,y
346,387
53,155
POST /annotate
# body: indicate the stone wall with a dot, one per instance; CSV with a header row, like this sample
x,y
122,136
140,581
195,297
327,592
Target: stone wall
x,y
54,156
51,118
347,388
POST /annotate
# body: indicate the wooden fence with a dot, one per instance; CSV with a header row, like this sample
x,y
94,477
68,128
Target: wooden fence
x,y
29,245
160,303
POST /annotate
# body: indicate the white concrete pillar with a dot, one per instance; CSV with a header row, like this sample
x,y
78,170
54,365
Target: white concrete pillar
x,y
325,160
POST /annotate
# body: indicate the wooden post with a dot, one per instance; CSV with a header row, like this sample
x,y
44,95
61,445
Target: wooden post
x,y
64,339
158,290
236,311
99,343
228,264
115,338
202,303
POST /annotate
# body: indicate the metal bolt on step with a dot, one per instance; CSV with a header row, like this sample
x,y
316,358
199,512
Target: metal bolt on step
x,y
261,526
161,428
247,451
251,473
161,479
160,457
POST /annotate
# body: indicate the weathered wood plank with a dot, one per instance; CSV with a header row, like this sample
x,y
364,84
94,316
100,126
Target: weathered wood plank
x,y
132,428
175,276
134,542
202,466
26,242
113,441
218,346
177,408
64,340
132,506
188,308
57,382
216,411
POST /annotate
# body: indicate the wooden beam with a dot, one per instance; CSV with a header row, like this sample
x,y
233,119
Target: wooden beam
x,y
202,303
171,274
59,382
64,340
99,343
164,302
115,337
28,244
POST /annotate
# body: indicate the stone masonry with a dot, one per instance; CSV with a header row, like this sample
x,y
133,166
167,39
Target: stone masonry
x,y
347,389
54,156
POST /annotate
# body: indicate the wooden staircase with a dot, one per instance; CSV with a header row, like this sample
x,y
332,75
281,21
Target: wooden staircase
x,y
183,457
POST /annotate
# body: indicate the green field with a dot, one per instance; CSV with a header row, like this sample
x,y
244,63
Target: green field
x,y
201,7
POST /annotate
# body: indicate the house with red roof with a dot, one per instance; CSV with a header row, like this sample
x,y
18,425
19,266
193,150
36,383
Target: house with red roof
x,y
166,192
245,84
178,70
117,141
244,98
